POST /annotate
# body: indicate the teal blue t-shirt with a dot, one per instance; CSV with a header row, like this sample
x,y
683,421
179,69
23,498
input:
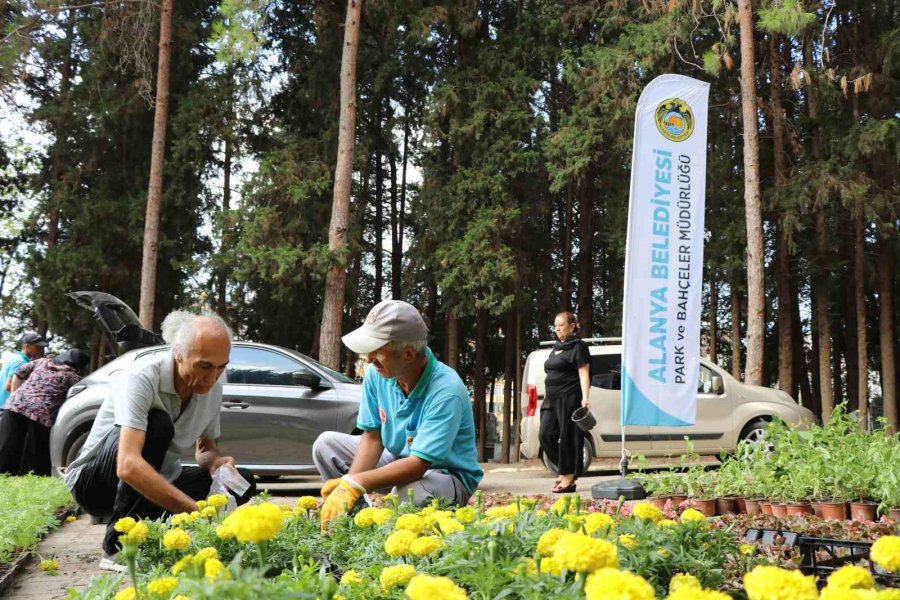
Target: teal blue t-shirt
x,y
9,369
435,423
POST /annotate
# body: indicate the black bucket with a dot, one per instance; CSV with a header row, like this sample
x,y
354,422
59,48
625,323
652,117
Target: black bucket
x,y
584,418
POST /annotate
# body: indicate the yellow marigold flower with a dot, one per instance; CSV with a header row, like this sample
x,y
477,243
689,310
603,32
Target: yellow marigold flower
x,y
255,522
207,553
840,593
548,565
667,523
686,593
395,575
684,580
182,563
547,542
663,552
180,519
307,503
224,532
448,525
50,564
647,512
502,512
613,584
425,545
851,577
628,540
381,515
201,504
181,597
888,594
351,577
364,518
564,503
596,521
576,552
137,535
213,569
397,544
217,500
126,594
427,511
766,582
886,552
209,512
692,514
125,524
428,587
71,519
541,512
747,549
413,523
162,586
465,514
176,539
434,516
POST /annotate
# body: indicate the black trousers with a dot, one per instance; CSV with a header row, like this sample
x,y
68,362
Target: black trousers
x,y
24,445
99,491
560,438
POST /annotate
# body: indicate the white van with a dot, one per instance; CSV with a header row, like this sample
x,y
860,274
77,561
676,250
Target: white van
x,y
727,410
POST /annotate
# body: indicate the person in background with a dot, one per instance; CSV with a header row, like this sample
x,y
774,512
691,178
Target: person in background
x,y
39,389
32,347
567,388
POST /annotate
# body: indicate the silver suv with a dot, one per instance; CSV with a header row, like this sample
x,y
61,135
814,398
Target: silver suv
x,y
275,401
727,410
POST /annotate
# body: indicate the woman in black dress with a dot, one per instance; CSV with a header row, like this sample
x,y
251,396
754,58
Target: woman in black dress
x,y
567,388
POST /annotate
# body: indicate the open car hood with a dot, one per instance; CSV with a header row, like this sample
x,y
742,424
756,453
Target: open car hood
x,y
122,328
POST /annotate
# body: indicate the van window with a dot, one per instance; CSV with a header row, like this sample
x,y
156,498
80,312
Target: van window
x,y
705,382
606,371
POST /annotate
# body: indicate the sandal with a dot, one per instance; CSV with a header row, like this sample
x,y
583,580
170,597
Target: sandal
x,y
565,490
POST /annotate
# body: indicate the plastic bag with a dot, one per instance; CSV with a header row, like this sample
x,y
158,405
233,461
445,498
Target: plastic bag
x,y
225,479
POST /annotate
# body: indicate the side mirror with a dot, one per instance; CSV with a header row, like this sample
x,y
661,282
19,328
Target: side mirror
x,y
717,387
306,379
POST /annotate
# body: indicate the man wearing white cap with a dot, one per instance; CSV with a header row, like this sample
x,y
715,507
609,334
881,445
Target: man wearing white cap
x,y
416,419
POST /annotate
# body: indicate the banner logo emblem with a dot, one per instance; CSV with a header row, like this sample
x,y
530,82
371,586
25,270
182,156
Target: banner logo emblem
x,y
674,119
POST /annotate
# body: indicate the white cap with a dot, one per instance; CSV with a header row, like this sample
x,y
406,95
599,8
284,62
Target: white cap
x,y
388,320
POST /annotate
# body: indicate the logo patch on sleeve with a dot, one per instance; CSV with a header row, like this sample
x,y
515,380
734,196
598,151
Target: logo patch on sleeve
x,y
382,415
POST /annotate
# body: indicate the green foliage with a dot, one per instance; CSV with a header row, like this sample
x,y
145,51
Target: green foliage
x,y
786,17
28,509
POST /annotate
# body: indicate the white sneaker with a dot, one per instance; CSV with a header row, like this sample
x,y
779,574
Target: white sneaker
x,y
108,563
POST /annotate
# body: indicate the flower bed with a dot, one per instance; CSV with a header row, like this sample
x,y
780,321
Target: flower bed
x,y
30,506
524,549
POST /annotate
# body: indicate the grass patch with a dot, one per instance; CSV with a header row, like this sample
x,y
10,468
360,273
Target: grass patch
x,y
28,507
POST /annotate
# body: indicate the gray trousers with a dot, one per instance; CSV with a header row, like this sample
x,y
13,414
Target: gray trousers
x,y
333,454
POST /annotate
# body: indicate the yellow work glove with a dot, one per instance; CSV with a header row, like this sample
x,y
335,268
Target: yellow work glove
x,y
329,486
341,499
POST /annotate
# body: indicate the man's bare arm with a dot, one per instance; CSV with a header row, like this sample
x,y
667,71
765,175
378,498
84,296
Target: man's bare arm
x,y
399,472
367,453
209,457
14,383
139,474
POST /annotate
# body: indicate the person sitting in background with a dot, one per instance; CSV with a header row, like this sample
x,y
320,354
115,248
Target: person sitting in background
x,y
32,345
39,389
151,416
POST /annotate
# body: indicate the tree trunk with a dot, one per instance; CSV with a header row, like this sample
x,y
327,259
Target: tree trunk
x,y
222,279
735,328
509,345
452,337
850,338
886,330
586,256
333,305
57,195
801,366
378,250
157,161
396,252
713,320
859,294
756,284
478,381
517,384
566,296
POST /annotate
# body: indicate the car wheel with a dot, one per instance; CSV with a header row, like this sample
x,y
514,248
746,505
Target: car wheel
x,y
587,455
75,447
754,432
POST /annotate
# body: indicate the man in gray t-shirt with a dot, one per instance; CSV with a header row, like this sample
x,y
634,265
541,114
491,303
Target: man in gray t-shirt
x,y
157,412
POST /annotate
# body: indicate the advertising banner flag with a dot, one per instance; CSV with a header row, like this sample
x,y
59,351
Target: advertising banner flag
x,y
664,254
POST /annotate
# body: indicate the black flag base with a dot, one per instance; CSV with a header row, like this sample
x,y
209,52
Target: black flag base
x,y
628,489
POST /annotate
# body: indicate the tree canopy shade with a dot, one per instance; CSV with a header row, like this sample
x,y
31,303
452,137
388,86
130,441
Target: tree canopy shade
x,y
489,179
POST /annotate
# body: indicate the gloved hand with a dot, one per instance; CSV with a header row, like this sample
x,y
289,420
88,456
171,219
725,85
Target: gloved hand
x,y
329,486
341,499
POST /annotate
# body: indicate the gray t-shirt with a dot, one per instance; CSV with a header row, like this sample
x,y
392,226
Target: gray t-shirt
x,y
131,397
